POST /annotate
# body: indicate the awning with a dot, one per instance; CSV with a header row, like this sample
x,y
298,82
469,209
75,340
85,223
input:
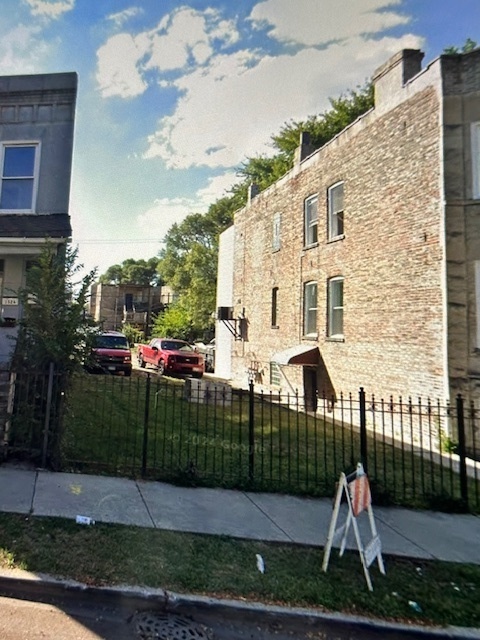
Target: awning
x,y
299,354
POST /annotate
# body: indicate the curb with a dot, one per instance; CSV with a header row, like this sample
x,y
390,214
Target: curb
x,y
45,588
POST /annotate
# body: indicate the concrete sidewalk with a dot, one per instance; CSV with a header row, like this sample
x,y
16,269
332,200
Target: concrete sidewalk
x,y
257,516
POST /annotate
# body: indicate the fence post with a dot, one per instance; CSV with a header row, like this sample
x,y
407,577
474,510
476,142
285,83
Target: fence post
x,y
363,430
48,406
146,416
462,453
251,433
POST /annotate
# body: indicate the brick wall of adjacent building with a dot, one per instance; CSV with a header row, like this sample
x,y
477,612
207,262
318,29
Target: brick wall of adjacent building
x,y
391,256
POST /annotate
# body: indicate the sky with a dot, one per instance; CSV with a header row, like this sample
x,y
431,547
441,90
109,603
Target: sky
x,y
173,96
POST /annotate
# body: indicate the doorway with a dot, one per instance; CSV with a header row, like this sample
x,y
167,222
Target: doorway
x,y
310,388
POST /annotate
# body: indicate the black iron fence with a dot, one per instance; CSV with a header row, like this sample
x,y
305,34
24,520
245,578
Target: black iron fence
x,y
417,453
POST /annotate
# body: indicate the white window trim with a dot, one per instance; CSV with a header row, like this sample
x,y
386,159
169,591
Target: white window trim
x,y
475,137
308,223
331,213
331,281
36,170
311,334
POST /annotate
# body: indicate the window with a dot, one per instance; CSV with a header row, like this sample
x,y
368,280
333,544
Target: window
x,y
275,374
310,309
311,220
19,162
276,232
476,160
335,307
275,307
335,211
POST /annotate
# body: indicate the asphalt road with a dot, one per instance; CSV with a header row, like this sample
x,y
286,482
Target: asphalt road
x,y
84,617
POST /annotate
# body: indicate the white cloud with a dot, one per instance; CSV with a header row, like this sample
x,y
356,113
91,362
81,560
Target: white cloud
x,y
52,9
183,39
121,17
247,104
117,71
315,22
21,50
166,211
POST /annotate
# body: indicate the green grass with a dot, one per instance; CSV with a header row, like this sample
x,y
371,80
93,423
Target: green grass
x,y
104,554
191,443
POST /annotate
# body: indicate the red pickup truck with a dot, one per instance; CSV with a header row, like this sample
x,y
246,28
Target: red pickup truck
x,y
171,356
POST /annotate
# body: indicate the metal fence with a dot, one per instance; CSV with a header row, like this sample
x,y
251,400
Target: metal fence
x,y
417,453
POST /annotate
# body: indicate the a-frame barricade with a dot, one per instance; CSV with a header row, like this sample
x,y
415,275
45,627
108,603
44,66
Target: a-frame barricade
x,y
356,489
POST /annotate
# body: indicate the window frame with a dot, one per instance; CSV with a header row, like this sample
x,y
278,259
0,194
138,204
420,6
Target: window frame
x,y
309,311
333,310
274,315
275,374
310,224
475,146
335,215
33,178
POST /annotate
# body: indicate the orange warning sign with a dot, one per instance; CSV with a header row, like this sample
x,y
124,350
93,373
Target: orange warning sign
x,y
360,494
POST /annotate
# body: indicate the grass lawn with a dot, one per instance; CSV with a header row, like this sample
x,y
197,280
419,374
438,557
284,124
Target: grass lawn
x,y
118,426
105,554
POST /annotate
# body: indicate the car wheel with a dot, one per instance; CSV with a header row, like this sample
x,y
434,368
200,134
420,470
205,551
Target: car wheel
x,y
141,362
161,367
128,373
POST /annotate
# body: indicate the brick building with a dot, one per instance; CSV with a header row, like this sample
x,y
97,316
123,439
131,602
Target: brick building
x,y
361,266
114,305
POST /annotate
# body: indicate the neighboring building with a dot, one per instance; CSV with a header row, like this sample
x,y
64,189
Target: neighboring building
x,y
114,305
361,266
36,141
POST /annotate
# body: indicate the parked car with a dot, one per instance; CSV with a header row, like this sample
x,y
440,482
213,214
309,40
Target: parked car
x,y
171,356
208,352
110,354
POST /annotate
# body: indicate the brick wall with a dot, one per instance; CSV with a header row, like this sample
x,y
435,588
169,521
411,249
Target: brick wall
x,y
391,258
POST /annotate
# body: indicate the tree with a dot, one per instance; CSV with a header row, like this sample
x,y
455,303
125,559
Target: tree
x,y
344,110
54,324
54,331
175,322
140,272
188,263
469,45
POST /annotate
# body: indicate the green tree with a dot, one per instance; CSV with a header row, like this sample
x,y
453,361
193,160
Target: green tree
x,y
130,271
176,322
344,110
469,45
188,263
54,324
54,331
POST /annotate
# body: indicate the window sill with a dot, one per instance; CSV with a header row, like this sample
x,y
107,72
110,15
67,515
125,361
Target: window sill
x,y
274,326
335,339
310,336
19,211
336,238
310,246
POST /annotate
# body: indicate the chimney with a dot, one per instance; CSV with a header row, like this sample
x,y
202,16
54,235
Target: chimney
x,y
304,149
392,76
